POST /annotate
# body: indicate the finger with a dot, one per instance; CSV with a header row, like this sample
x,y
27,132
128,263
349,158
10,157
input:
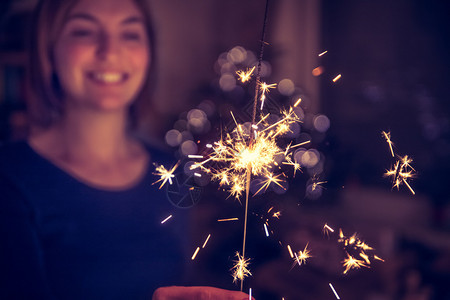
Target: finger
x,y
197,292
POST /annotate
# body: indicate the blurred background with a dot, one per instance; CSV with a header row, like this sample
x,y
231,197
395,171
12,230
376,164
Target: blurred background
x,y
394,65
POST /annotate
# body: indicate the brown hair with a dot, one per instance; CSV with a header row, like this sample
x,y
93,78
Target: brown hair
x,y
45,102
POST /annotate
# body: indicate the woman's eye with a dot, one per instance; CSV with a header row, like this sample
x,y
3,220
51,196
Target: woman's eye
x,y
81,33
131,36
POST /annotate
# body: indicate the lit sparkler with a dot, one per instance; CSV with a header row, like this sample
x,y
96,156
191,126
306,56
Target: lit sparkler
x,y
251,150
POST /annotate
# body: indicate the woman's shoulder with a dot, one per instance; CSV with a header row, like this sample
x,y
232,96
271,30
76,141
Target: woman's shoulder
x,y
16,162
14,153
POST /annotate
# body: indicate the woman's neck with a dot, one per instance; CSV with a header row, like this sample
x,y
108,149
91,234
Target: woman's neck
x,y
91,137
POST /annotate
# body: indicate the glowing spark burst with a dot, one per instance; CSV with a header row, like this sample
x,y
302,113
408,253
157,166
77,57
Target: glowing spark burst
x,y
165,175
316,183
245,76
302,256
355,247
334,291
402,171
271,179
352,263
295,165
264,87
252,150
240,269
323,53
276,214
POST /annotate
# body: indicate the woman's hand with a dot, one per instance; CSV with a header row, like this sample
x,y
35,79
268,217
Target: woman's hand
x,y
197,293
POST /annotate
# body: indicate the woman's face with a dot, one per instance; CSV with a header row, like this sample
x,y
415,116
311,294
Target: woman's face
x,y
102,54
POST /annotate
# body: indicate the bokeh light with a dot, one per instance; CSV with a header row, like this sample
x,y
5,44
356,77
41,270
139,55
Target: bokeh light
x,y
321,123
173,138
286,87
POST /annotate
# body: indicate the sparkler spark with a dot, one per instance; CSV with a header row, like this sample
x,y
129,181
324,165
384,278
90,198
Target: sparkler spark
x,y
166,175
245,76
327,229
352,263
271,179
337,78
402,171
206,241
166,219
354,247
195,253
334,291
302,256
240,269
290,251
316,183
266,230
229,219
387,136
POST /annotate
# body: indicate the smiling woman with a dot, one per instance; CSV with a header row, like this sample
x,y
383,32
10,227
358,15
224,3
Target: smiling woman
x,y
79,218
102,55
117,45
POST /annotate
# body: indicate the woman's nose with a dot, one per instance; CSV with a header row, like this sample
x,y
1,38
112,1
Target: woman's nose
x,y
108,47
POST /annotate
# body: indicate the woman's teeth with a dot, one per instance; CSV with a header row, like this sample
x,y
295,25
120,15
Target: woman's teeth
x,y
108,77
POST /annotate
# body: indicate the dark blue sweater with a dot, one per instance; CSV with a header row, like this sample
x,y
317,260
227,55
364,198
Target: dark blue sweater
x,y
63,239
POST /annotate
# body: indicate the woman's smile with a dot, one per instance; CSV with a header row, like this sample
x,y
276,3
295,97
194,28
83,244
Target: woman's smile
x,y
108,77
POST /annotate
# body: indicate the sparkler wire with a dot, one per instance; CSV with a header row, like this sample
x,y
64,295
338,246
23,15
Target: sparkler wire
x,y
261,52
255,102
